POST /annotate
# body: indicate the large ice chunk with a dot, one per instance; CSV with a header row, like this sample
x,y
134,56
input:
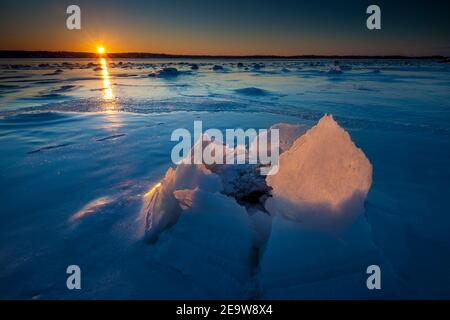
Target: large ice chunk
x,y
323,179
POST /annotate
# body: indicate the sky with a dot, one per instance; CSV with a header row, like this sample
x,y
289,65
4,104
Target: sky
x,y
231,27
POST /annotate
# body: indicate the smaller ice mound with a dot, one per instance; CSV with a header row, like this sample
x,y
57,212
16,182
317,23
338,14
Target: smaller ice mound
x,y
258,66
335,68
323,179
252,91
217,67
168,72
242,183
161,208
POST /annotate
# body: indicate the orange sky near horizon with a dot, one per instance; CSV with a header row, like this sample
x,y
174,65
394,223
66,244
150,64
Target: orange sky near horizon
x,y
119,40
232,28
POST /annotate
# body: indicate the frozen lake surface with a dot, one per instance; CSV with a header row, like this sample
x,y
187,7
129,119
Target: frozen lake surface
x,y
83,141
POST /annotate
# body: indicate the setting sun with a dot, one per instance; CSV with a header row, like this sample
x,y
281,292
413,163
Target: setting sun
x,y
100,49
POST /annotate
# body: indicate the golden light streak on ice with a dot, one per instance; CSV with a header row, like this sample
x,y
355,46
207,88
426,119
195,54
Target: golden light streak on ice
x,y
108,93
91,207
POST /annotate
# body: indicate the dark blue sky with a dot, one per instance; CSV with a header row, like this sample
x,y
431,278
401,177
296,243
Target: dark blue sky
x,y
285,27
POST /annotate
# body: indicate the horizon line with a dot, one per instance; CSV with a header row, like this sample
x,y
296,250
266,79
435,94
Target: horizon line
x,y
84,54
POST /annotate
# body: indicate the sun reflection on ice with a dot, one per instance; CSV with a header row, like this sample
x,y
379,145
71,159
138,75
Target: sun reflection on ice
x,y
91,208
107,88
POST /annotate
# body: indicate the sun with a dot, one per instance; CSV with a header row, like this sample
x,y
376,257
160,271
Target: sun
x,y
100,49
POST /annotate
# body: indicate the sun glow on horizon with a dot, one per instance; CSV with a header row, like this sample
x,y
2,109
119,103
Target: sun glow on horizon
x,y
101,49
